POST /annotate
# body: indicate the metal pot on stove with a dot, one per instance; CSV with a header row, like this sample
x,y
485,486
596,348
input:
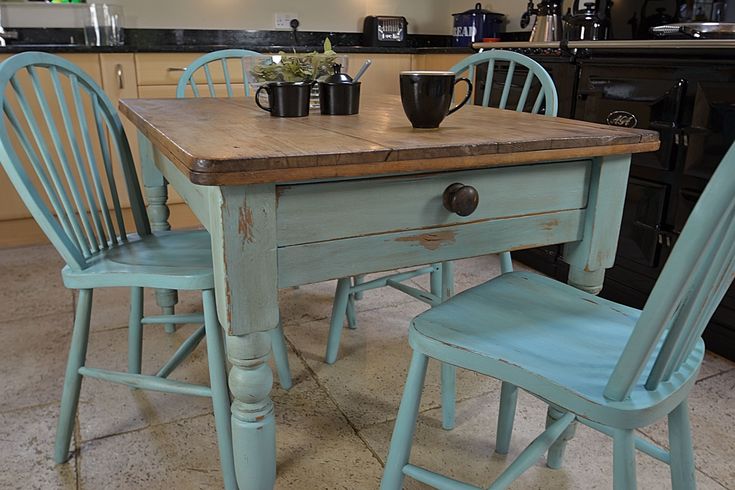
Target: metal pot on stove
x,y
547,26
474,25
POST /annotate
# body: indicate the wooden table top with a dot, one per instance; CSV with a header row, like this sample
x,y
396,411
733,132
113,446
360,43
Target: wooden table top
x,y
227,141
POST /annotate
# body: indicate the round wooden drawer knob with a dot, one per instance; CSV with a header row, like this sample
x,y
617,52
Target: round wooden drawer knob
x,y
461,199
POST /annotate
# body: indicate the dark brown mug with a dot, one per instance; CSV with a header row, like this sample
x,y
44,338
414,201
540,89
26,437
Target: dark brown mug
x,y
286,99
427,96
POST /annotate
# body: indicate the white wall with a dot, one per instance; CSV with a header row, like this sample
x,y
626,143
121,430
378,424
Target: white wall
x,y
424,16
513,9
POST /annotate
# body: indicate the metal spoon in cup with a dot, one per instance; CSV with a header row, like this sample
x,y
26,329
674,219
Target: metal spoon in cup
x,y
362,70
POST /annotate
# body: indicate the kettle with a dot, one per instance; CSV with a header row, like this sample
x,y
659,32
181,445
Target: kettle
x,y
585,25
547,26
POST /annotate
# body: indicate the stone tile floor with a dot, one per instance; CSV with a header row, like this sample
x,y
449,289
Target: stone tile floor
x,y
333,426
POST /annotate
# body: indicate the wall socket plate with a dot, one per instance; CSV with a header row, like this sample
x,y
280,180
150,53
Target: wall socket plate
x,y
283,20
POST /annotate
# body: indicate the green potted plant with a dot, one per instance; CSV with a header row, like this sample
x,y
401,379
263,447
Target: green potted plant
x,y
294,67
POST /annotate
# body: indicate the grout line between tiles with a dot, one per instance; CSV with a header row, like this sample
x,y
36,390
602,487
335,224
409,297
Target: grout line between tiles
x,y
140,429
37,317
696,466
715,375
318,382
297,323
430,407
29,407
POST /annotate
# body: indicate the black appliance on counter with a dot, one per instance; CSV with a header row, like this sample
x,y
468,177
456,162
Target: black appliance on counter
x,y
591,23
385,31
474,25
649,20
690,101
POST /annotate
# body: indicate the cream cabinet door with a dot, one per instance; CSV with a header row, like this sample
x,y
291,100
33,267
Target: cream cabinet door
x,y
11,206
119,81
437,62
382,76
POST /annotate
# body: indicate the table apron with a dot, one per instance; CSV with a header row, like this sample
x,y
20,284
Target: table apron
x,y
314,262
325,211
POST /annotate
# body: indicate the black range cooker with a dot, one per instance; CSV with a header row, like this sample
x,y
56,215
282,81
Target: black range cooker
x,y
688,96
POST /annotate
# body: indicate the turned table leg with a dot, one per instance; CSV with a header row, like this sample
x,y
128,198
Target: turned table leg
x,y
156,193
253,423
243,230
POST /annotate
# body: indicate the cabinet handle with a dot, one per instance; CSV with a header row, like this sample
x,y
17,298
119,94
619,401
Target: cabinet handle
x,y
119,73
175,68
461,199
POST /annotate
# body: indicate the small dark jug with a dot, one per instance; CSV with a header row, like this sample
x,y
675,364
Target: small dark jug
x,y
286,99
339,95
427,95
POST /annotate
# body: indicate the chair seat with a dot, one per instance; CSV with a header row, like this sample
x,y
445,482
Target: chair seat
x,y
547,337
168,260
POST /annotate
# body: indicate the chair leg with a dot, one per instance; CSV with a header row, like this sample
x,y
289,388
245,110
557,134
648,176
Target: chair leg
x,y
682,453
72,378
405,425
449,395
358,279
339,310
435,281
442,285
135,331
555,456
624,459
506,264
220,393
506,414
351,314
447,281
280,356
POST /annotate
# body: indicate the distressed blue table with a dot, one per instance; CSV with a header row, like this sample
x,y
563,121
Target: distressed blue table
x,y
296,201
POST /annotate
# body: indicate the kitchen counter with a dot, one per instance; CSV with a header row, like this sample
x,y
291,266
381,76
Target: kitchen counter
x,y
204,40
203,48
657,44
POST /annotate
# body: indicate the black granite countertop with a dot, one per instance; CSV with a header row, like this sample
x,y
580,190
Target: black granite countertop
x,y
58,40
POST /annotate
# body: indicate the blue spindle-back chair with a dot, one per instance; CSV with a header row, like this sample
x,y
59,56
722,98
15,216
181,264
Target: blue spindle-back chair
x,y
63,147
605,365
204,64
536,94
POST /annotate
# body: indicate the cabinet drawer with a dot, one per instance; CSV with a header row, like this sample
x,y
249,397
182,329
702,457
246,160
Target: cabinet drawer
x,y
169,91
166,69
329,211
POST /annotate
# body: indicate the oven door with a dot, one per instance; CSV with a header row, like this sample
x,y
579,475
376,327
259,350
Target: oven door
x,y
641,238
635,98
712,130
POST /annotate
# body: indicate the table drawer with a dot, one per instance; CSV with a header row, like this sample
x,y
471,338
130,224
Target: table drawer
x,y
329,211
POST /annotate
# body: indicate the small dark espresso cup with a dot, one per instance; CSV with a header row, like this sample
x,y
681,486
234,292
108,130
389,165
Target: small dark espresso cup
x,y
427,95
286,99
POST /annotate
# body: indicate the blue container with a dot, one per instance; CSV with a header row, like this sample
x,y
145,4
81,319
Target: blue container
x,y
471,26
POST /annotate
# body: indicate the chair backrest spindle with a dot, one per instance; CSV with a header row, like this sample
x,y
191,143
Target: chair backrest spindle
x,y
218,60
62,187
536,79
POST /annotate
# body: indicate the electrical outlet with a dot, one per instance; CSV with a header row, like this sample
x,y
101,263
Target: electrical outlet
x,y
283,20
